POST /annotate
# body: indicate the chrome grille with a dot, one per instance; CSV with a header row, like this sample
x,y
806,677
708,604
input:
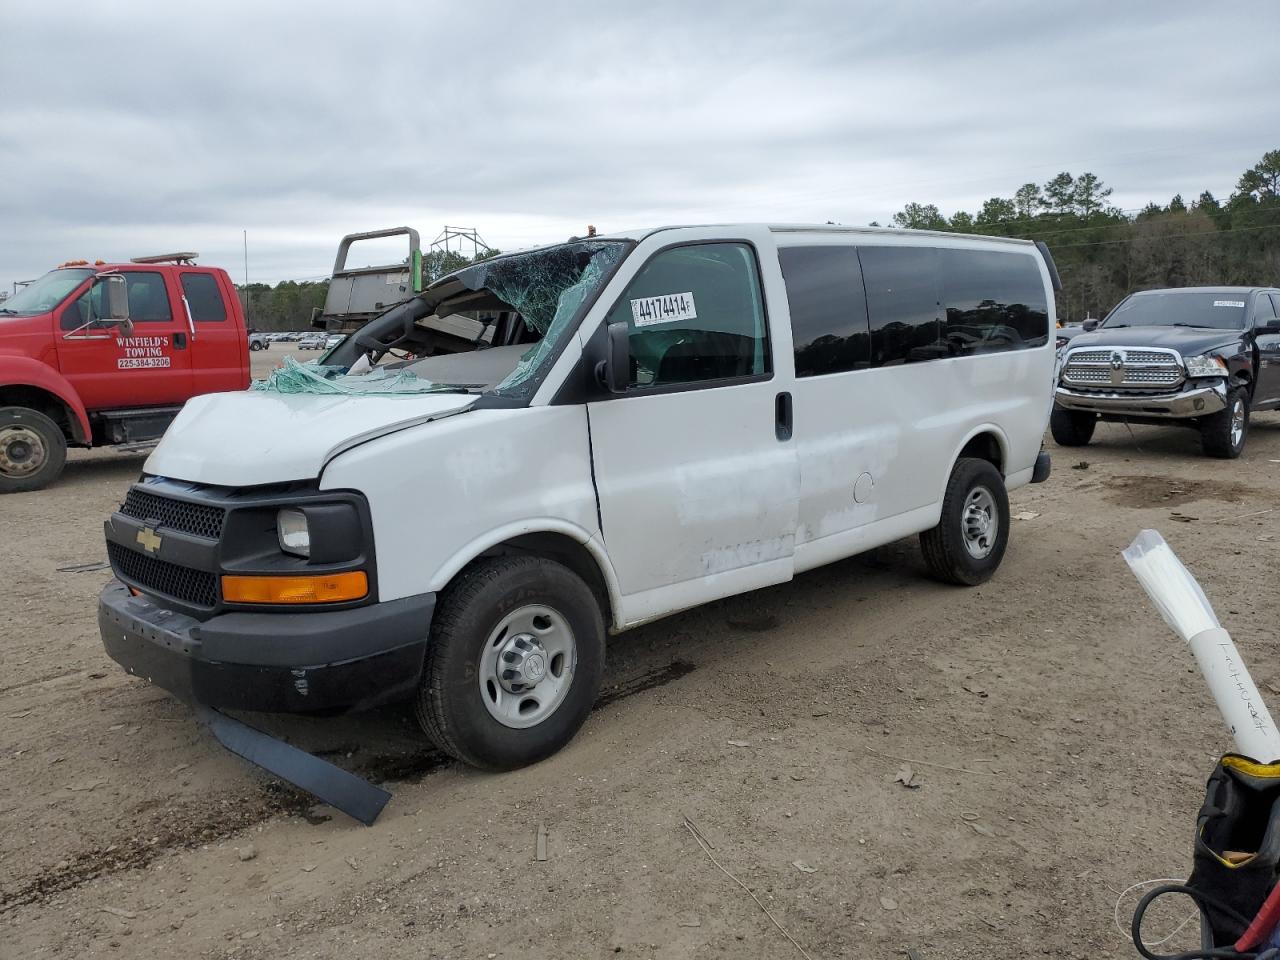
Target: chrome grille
x,y
196,587
1119,368
197,519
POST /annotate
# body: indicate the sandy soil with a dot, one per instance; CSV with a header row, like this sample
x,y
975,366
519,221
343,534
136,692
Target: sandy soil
x,y
1059,734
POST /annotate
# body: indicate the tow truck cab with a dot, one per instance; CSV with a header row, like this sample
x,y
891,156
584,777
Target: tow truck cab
x,y
79,370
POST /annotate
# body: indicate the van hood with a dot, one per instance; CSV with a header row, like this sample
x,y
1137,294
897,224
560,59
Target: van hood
x,y
255,437
1188,341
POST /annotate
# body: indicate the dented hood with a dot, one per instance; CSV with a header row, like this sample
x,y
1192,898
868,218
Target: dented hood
x,y
251,438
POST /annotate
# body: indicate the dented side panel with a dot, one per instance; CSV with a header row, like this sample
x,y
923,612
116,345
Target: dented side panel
x,y
443,493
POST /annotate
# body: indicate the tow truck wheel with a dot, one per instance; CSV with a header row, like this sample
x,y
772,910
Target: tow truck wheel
x,y
514,662
33,450
1222,434
1071,428
967,545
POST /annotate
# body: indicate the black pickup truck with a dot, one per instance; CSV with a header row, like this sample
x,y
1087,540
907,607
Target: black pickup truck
x,y
1204,357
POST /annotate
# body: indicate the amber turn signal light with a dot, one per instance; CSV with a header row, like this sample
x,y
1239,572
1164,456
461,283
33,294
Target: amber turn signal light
x,y
325,588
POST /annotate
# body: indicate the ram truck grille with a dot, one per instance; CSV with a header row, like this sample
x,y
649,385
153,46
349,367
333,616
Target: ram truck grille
x,y
1120,368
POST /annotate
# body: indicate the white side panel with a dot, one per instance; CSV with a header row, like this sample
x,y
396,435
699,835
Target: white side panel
x,y
443,492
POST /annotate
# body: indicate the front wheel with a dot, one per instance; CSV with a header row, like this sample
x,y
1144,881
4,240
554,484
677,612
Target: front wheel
x,y
33,450
967,545
1072,428
514,662
1222,434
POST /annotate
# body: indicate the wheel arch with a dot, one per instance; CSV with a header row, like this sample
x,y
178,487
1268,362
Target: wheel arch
x,y
56,400
563,542
987,442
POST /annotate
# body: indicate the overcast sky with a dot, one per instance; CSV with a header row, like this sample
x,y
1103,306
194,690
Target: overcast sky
x,y
131,128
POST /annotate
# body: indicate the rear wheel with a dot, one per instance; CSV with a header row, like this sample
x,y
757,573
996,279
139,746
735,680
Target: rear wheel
x,y
514,662
1222,434
967,545
33,450
1072,428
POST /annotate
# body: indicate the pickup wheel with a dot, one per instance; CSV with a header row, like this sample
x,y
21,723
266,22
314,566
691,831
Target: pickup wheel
x,y
1222,434
967,545
33,450
514,662
1071,428
255,345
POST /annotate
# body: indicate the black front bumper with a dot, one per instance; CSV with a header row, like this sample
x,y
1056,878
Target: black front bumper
x,y
271,662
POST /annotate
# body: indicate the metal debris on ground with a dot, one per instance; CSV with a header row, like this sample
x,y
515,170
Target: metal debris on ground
x,y
541,852
85,567
908,778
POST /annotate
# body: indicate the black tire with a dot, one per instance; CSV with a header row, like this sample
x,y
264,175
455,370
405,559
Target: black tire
x,y
946,552
1217,431
1072,428
33,450
254,345
450,705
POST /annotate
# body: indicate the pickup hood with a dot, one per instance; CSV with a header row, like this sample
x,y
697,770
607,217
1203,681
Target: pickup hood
x,y
1188,341
251,438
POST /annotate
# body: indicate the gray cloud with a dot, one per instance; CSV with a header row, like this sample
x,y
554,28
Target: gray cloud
x,y
128,129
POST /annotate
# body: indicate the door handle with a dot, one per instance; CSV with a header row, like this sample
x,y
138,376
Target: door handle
x,y
180,341
782,415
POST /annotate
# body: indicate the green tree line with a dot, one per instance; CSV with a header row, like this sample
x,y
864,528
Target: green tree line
x,y
1104,254
290,304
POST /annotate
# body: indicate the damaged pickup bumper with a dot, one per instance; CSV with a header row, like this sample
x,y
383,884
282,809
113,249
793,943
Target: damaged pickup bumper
x,y
1188,402
271,662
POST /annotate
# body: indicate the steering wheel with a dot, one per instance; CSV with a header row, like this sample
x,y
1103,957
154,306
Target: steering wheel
x,y
376,349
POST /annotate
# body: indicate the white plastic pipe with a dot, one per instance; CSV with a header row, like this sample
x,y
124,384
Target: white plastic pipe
x,y
1238,699
1187,610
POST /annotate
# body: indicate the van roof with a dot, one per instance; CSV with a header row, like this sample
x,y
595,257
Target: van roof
x,y
642,233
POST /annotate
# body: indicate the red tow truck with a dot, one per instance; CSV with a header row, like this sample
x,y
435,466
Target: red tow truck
x,y
106,354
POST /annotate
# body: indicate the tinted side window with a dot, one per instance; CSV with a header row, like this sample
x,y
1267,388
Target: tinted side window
x,y
203,297
148,301
995,301
1265,311
695,313
902,304
148,298
828,309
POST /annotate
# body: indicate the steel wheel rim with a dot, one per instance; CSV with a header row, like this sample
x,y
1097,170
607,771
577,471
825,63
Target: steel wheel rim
x,y
527,666
979,523
22,451
1237,422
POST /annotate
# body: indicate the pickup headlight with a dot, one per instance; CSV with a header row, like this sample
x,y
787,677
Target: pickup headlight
x,y
295,535
1206,365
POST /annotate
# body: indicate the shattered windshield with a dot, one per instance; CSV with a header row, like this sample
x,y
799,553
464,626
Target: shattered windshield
x,y
41,296
494,326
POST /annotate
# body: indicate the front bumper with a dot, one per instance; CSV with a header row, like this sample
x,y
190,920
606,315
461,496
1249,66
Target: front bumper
x,y
271,662
1194,402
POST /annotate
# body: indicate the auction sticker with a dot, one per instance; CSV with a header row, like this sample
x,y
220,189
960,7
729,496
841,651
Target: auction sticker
x,y
667,308
1216,303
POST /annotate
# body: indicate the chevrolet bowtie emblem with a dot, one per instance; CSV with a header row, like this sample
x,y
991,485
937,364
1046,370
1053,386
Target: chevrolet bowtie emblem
x,y
149,539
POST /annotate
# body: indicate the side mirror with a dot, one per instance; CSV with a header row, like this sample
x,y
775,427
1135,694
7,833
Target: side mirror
x,y
1090,325
614,372
115,301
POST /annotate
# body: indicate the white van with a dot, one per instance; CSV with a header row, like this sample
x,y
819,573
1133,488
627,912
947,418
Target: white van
x,y
550,446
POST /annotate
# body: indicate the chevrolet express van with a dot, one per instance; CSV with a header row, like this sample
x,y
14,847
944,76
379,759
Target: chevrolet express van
x,y
459,502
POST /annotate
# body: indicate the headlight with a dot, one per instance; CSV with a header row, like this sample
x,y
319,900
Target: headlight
x,y
1206,365
295,537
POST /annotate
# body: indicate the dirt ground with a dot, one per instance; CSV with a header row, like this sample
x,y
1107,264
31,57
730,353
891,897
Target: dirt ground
x,y
1058,734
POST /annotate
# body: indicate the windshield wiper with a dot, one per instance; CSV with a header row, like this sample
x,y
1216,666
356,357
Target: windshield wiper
x,y
8,311
1196,326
